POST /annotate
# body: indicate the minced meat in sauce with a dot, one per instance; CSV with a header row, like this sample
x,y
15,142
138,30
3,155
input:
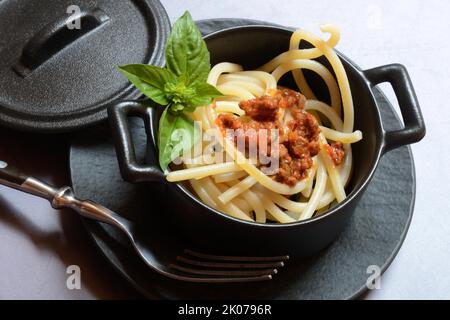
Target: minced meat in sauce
x,y
336,152
298,140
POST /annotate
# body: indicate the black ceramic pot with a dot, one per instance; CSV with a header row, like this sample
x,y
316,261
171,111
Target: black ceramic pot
x,y
253,46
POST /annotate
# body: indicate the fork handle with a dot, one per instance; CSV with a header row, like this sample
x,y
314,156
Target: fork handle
x,y
58,197
10,174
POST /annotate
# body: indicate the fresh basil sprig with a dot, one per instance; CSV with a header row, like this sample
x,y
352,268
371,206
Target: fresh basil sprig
x,y
180,87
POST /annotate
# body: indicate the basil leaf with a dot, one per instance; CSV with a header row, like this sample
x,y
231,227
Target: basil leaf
x,y
181,87
177,134
150,80
178,92
204,94
186,51
176,108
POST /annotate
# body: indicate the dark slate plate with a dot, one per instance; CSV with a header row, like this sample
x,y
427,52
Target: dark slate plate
x,y
373,237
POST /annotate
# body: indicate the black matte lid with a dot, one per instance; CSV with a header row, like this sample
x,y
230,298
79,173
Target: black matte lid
x,y
55,77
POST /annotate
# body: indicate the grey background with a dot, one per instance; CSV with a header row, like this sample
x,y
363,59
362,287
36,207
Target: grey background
x,y
37,244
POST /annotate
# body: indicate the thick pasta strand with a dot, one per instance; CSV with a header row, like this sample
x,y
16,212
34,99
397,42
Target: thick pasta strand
x,y
336,182
227,177
229,208
319,69
220,69
238,201
226,107
338,68
283,202
310,182
319,189
235,90
208,192
229,107
265,77
276,212
243,205
203,194
314,53
347,138
229,77
295,53
255,203
203,171
327,111
345,169
252,88
237,190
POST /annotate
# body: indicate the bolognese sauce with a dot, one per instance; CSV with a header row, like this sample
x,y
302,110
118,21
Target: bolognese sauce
x,y
298,138
336,152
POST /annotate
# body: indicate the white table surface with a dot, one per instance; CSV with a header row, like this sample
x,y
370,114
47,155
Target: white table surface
x,y
374,33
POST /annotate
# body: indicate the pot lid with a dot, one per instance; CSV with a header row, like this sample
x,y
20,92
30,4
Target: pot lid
x,y
58,66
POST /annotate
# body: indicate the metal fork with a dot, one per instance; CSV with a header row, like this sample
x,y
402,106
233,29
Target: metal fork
x,y
168,259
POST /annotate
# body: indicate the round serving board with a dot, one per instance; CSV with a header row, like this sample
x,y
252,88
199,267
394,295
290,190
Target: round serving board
x,y
374,236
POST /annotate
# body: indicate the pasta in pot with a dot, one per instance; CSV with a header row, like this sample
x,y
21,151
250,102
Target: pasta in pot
x,y
239,187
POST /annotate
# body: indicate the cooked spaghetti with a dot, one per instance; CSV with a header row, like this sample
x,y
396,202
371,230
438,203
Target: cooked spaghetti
x,y
312,148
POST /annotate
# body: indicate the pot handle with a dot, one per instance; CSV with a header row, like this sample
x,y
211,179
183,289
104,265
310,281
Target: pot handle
x,y
130,169
414,129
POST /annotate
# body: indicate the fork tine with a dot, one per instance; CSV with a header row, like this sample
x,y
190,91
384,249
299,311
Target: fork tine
x,y
224,280
227,265
233,273
234,258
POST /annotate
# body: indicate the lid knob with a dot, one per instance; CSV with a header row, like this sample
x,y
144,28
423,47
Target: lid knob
x,y
54,37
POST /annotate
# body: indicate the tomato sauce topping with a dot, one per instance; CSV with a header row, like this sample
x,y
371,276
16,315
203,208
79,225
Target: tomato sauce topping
x,y
298,139
336,152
